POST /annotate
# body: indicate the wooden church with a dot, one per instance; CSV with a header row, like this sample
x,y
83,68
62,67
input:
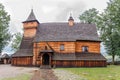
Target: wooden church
x,y
59,44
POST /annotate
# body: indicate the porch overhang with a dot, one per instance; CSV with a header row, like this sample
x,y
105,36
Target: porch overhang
x,y
46,51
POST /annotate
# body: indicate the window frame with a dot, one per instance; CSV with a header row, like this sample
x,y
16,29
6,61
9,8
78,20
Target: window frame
x,y
62,47
85,49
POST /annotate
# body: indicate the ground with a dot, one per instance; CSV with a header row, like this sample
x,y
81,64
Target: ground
x,y
8,72
111,72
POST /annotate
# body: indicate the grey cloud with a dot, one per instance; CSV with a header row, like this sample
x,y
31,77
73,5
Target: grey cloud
x,y
76,8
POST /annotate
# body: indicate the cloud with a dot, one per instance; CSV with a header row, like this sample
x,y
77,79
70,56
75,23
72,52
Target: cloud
x,y
65,8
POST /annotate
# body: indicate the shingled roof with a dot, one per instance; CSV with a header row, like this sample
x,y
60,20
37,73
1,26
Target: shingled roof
x,y
79,56
26,48
64,32
5,56
31,17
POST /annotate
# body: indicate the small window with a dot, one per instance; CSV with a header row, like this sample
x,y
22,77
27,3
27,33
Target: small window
x,y
62,47
45,47
85,49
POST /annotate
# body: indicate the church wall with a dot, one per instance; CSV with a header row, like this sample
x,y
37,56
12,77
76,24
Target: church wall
x,y
30,25
92,46
69,47
30,28
79,63
21,61
29,32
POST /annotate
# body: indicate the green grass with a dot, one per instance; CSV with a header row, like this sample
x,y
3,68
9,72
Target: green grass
x,y
20,77
106,73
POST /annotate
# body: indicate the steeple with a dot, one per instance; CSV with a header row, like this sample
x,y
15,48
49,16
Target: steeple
x,y
71,20
30,25
31,17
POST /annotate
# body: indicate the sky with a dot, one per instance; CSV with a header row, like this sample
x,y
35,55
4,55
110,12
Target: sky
x,y
48,10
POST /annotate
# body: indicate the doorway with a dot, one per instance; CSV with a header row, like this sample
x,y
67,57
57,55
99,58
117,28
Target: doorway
x,y
45,59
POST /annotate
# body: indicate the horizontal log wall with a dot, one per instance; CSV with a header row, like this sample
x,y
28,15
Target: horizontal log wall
x,y
22,61
30,29
92,46
79,63
69,47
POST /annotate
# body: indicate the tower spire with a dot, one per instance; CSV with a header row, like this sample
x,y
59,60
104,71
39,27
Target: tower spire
x,y
71,20
30,25
31,17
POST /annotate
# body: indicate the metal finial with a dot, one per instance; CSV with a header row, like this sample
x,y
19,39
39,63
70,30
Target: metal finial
x,y
70,14
32,8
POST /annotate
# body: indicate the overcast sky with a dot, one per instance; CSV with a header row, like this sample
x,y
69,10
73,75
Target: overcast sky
x,y
48,10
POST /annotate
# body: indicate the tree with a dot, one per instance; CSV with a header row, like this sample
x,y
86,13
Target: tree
x,y
109,26
89,16
4,28
16,41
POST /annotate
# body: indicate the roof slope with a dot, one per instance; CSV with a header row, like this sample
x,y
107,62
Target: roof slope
x,y
31,17
63,32
79,56
5,56
26,48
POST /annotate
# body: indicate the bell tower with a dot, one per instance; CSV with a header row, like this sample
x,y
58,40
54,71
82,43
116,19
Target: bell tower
x,y
70,20
30,25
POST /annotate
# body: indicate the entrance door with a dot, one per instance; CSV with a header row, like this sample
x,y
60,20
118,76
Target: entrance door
x,y
46,59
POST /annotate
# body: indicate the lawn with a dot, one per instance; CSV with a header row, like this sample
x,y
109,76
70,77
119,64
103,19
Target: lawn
x,y
20,77
106,73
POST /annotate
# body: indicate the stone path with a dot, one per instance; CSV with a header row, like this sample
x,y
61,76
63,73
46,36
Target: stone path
x,y
44,74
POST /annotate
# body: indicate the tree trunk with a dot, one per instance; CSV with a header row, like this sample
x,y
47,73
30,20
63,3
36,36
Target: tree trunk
x,y
113,59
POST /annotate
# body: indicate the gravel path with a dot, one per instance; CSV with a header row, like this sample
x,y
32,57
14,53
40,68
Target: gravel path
x,y
66,75
44,74
7,71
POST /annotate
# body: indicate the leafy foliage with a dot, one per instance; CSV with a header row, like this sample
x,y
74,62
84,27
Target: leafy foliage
x,y
110,29
89,16
108,24
16,41
4,28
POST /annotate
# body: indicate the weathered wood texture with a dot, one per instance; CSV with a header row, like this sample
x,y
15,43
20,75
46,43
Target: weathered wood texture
x,y
30,29
29,32
30,25
69,47
92,46
22,61
79,63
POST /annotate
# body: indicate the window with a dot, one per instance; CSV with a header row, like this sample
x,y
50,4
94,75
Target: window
x,y
85,49
62,47
45,47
